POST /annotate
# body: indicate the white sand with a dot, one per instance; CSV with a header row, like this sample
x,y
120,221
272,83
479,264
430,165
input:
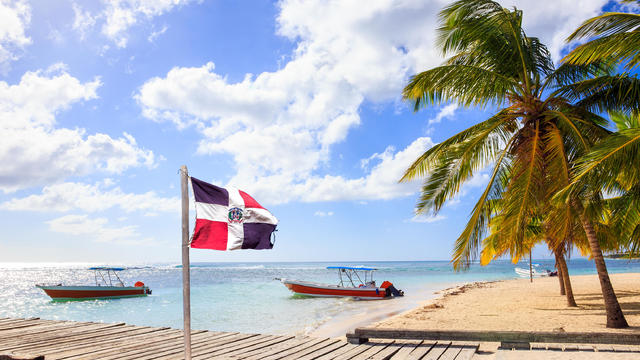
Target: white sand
x,y
521,305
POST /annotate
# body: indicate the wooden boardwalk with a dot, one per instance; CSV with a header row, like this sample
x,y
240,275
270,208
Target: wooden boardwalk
x,y
29,338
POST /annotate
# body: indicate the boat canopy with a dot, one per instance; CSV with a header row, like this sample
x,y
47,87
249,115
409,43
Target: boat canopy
x,y
352,276
107,268
351,268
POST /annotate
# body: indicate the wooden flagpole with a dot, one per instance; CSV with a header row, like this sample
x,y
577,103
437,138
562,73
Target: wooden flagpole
x,y
530,267
186,286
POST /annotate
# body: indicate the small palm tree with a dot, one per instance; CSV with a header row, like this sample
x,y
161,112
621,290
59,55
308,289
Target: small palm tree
x,y
530,143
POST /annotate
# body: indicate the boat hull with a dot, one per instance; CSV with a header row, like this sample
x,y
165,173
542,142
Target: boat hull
x,y
69,293
323,290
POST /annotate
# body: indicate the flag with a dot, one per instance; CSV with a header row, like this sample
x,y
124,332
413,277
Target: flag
x,y
229,219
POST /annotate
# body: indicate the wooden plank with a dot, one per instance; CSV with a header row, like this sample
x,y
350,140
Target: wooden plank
x,y
119,344
451,353
467,352
432,353
44,327
42,333
19,323
250,348
53,340
303,343
358,349
57,331
422,349
374,348
407,347
310,350
604,348
262,352
389,351
16,320
618,338
33,327
171,354
144,350
323,351
86,345
90,340
208,351
304,349
337,352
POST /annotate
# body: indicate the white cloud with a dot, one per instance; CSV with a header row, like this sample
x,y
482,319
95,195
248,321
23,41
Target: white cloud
x,y
91,198
554,20
427,219
15,16
446,112
34,151
381,183
83,21
154,35
279,127
120,15
117,17
96,229
323,213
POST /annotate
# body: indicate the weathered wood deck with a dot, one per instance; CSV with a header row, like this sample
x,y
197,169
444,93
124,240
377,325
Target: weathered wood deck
x,y
28,338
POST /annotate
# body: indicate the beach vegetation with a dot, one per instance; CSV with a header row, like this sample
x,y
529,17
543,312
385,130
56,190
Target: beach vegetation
x,y
545,119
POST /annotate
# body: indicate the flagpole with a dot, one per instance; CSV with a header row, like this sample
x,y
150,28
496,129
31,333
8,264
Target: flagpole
x,y
186,286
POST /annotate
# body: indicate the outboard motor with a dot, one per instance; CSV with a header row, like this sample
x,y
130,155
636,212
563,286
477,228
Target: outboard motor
x,y
390,290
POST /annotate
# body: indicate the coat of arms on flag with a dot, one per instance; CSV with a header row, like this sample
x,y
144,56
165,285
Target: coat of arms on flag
x,y
229,219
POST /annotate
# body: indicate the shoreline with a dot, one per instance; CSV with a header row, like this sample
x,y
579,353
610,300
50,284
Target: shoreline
x,y
376,311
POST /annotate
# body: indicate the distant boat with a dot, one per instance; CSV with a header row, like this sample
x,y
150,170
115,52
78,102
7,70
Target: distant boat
x,y
350,285
108,286
536,273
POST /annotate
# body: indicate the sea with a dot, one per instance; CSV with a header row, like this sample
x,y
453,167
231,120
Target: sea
x,y
245,297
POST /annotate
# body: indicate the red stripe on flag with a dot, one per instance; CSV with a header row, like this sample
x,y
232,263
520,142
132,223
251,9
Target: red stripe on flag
x,y
249,202
210,235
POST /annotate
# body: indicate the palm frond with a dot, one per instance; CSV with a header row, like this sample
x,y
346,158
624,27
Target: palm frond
x,y
467,85
466,245
430,159
605,93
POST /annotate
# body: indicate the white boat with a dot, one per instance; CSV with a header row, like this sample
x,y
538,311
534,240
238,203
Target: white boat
x,y
536,273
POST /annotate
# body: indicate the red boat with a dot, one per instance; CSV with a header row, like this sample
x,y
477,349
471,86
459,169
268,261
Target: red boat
x,y
104,288
364,290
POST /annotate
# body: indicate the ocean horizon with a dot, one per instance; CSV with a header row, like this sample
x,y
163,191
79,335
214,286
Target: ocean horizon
x,y
244,296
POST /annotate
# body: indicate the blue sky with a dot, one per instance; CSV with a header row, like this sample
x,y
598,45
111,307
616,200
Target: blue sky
x,y
295,102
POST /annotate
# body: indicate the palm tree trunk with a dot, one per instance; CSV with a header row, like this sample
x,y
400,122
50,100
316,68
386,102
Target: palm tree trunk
x,y
615,317
560,276
571,301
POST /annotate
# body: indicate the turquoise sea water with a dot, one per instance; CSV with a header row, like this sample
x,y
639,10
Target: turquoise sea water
x,y
242,297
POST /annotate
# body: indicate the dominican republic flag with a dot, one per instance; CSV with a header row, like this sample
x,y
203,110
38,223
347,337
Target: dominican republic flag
x,y
229,219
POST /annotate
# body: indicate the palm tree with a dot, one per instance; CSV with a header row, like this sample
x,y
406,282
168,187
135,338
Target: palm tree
x,y
529,144
495,245
607,166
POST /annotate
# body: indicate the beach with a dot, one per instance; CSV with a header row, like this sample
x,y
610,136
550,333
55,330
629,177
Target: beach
x,y
519,305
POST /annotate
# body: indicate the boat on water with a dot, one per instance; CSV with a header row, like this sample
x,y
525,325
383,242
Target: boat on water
x,y
354,282
108,286
535,272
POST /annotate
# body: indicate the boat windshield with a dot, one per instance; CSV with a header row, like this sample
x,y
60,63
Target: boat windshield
x,y
354,276
106,276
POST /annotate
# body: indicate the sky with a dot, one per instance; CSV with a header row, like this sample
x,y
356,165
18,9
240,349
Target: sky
x,y
297,103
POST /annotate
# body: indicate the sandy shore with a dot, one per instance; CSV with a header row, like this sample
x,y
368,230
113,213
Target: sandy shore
x,y
521,305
